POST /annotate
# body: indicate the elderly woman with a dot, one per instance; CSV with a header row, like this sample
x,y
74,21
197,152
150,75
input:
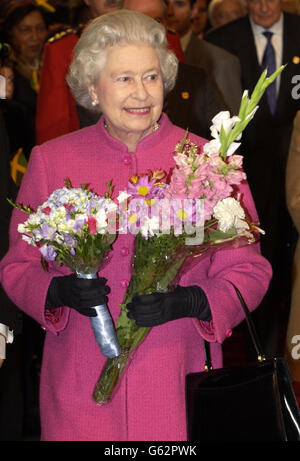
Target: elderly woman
x,y
123,67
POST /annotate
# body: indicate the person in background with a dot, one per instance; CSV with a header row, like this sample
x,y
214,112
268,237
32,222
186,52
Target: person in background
x,y
292,344
131,71
221,12
7,71
11,380
199,18
222,67
56,108
266,38
24,28
15,115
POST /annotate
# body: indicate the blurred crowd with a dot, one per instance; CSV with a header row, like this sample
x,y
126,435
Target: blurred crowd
x,y
216,65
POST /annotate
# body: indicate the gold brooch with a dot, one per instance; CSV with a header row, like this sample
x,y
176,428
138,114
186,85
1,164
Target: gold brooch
x,y
296,60
185,95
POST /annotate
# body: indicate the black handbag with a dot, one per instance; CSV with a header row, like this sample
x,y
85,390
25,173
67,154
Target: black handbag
x,y
252,402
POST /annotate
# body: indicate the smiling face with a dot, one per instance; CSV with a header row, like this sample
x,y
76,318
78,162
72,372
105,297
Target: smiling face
x,y
130,91
29,35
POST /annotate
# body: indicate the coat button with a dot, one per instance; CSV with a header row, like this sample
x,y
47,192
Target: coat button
x,y
125,251
124,283
228,333
127,159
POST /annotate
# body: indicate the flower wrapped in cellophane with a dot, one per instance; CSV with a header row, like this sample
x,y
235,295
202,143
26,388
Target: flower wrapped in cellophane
x,y
181,215
77,228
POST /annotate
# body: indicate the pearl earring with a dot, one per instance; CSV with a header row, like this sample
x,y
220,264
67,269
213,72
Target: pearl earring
x,y
94,103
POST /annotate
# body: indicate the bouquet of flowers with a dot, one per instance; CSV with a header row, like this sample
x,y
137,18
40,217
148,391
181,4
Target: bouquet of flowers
x,y
77,228
163,211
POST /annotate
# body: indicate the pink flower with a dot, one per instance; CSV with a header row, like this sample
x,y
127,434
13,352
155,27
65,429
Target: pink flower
x,y
145,188
236,160
92,223
46,210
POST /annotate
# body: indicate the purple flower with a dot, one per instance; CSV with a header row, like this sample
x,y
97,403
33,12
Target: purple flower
x,y
47,232
69,239
48,252
144,188
78,225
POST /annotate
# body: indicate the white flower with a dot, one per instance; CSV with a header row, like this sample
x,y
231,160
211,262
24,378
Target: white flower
x,y
101,219
58,215
229,214
220,118
212,147
240,225
232,148
29,240
245,94
149,226
34,219
110,205
123,196
251,115
21,228
223,119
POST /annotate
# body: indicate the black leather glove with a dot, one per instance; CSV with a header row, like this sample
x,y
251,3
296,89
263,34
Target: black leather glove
x,y
157,308
79,294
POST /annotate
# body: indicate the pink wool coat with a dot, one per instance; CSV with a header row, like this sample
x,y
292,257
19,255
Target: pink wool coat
x,y
150,402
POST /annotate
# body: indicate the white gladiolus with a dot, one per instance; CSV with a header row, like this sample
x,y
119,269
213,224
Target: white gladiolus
x,y
212,147
232,148
251,115
222,119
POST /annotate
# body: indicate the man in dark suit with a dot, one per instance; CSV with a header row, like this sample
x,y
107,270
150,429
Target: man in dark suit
x,y
222,67
266,140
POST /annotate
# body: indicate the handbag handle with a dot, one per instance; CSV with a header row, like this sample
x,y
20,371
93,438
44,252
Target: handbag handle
x,y
252,331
